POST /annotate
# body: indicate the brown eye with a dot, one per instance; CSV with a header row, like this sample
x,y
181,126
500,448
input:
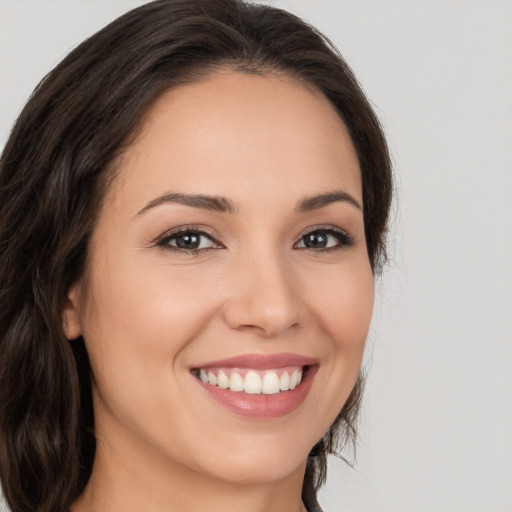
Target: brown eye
x,y
324,239
188,241
316,240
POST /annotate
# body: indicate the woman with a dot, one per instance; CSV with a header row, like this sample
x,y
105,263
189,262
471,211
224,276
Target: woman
x,y
193,207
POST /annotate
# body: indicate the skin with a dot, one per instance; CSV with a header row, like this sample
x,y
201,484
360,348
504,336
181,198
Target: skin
x,y
150,313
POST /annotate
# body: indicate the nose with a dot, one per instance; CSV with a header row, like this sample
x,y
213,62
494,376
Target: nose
x,y
262,297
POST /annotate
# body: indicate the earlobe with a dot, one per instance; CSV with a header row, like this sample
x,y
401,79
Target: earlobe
x,y
71,322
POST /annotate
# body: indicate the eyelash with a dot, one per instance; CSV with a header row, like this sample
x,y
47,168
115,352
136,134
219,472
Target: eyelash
x,y
343,238
164,240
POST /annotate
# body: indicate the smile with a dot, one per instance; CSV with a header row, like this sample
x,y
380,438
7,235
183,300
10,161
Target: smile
x,y
252,381
258,386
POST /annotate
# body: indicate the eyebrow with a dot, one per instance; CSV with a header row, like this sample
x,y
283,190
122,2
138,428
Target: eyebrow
x,y
224,205
319,201
205,202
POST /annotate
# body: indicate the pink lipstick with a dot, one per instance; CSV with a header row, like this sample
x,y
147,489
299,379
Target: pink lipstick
x,y
258,386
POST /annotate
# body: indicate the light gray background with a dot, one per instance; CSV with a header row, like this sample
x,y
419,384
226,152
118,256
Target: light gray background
x,y
437,422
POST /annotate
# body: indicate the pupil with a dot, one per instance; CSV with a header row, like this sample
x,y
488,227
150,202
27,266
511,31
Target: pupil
x,y
190,241
315,240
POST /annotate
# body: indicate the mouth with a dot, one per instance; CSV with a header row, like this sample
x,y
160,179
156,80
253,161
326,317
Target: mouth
x,y
252,381
258,386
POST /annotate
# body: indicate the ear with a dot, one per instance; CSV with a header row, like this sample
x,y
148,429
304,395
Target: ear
x,y
71,323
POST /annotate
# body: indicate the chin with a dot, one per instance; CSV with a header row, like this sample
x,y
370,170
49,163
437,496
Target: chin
x,y
251,472
264,460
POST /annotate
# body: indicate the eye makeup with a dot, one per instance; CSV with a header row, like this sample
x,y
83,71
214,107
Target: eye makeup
x,y
195,239
317,239
189,239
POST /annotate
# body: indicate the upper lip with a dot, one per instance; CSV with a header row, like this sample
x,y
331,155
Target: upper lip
x,y
261,361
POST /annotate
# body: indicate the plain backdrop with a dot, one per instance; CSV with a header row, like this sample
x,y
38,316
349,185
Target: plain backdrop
x,y
436,431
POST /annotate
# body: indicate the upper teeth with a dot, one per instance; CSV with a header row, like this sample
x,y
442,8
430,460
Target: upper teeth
x,y
254,382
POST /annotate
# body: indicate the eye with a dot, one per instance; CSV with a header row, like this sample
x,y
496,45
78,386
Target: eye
x,y
324,239
188,240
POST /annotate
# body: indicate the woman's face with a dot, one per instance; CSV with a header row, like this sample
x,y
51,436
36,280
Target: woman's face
x,y
231,244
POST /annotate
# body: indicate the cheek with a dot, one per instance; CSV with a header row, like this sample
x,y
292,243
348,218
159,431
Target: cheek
x,y
140,318
343,309
344,305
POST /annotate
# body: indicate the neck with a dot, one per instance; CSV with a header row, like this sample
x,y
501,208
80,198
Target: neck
x,y
120,480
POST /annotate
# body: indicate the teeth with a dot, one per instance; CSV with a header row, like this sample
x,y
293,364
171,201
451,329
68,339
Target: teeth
x,y
284,382
270,385
236,383
222,380
255,382
252,383
293,380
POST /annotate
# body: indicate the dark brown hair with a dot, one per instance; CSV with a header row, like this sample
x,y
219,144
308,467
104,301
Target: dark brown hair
x,y
53,173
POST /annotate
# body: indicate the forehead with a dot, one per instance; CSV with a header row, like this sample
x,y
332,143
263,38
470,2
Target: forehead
x,y
240,134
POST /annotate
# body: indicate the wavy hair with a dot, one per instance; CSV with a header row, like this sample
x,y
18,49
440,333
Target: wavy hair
x,y
54,170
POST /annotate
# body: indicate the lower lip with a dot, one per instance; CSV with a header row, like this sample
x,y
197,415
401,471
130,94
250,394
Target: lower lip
x,y
262,406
